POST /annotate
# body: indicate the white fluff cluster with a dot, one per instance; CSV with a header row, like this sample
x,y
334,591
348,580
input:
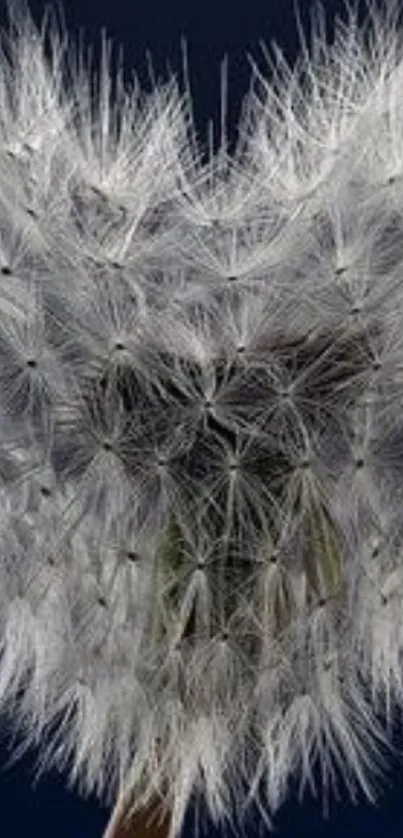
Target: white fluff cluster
x,y
201,425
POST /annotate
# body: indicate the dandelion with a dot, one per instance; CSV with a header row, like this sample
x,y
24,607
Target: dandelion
x,y
201,434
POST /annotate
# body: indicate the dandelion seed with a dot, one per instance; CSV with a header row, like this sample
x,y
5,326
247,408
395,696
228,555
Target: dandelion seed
x,y
201,442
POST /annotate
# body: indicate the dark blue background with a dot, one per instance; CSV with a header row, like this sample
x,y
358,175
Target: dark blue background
x,y
212,28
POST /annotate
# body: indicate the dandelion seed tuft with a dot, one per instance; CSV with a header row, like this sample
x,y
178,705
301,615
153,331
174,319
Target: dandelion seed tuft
x,y
201,435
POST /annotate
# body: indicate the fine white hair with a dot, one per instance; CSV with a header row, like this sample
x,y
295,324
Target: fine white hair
x,y
201,451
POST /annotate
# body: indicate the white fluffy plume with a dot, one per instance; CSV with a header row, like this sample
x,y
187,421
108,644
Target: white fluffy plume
x,y
201,427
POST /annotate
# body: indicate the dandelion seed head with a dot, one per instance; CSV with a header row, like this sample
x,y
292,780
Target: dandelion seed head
x,y
201,444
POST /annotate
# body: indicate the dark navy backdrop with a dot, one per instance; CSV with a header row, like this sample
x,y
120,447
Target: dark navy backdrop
x,y
211,28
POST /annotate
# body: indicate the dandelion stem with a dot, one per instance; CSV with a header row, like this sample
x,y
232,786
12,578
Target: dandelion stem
x,y
145,823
